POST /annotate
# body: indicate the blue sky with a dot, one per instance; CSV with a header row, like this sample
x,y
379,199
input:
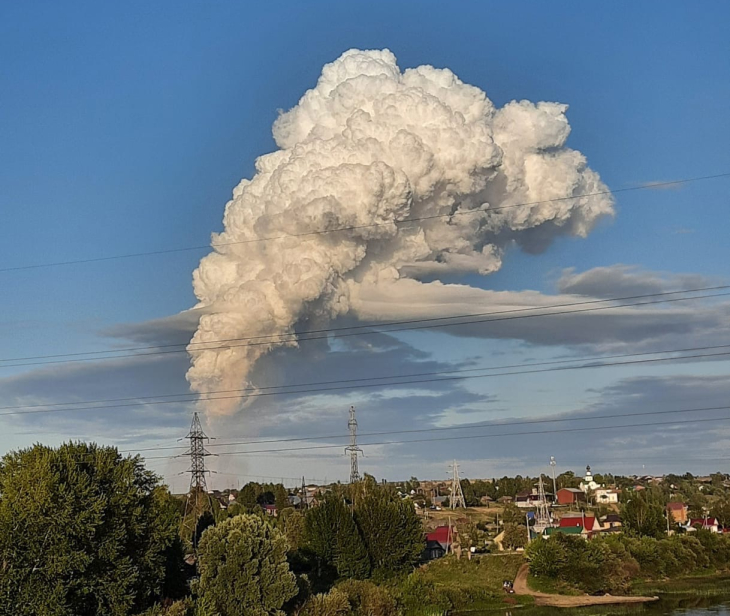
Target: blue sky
x,y
125,127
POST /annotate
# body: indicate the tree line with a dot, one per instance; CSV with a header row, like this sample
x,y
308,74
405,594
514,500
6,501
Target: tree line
x,y
85,531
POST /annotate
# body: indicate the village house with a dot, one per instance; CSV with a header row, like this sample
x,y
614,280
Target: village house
x,y
588,525
710,524
678,511
611,523
439,542
606,496
570,496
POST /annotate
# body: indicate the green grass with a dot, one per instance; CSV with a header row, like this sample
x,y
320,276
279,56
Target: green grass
x,y
486,572
551,586
476,585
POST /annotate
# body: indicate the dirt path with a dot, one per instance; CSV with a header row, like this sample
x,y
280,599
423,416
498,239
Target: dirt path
x,y
542,598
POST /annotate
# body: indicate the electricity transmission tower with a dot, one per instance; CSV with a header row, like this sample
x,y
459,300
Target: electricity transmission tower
x,y
304,504
352,448
457,496
542,513
198,500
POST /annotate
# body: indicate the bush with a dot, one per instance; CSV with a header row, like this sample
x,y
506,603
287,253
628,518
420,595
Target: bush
x,y
546,557
334,603
367,599
515,536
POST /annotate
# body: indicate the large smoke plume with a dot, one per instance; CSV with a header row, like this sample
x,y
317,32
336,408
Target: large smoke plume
x,y
368,146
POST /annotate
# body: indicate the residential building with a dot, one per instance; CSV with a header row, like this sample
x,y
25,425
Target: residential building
x,y
678,511
444,536
611,521
569,496
606,496
710,524
587,524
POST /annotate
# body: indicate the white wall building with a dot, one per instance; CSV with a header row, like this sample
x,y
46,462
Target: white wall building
x,y
588,482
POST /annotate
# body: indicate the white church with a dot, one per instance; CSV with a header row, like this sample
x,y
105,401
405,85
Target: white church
x,y
599,491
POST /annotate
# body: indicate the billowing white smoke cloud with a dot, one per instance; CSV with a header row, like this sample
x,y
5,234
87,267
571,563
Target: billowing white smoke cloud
x,y
368,146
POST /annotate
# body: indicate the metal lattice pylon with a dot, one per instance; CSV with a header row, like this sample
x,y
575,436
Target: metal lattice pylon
x,y
542,512
457,495
352,448
198,500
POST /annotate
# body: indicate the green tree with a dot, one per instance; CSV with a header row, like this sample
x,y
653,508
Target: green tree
x,y
511,514
247,496
546,557
243,568
293,522
643,515
331,535
281,498
84,531
391,529
515,536
721,510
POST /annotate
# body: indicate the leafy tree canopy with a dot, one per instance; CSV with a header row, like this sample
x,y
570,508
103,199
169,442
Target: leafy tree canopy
x,y
84,531
243,568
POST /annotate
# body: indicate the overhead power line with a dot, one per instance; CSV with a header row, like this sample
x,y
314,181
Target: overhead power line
x,y
371,385
169,251
419,324
498,424
468,437
194,397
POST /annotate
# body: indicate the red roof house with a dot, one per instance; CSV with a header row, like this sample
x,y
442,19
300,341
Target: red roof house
x,y
444,535
710,524
588,524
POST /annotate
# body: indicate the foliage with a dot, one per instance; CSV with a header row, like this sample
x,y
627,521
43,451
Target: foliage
x,y
511,514
721,510
643,514
608,563
331,535
243,568
392,531
515,536
592,566
333,603
84,531
293,523
546,558
367,599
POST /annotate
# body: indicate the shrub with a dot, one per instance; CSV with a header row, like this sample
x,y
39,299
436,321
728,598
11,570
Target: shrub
x,y
547,557
334,603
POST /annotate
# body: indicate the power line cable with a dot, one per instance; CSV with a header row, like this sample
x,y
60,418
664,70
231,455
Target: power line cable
x,y
469,437
150,253
297,336
371,385
399,329
194,397
447,428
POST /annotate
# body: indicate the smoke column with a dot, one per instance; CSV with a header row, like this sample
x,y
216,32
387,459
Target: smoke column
x,y
372,144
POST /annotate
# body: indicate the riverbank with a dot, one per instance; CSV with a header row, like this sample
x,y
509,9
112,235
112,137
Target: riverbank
x,y
521,587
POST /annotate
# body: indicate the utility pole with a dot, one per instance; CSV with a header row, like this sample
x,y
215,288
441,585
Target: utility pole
x,y
555,489
353,449
198,500
457,496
